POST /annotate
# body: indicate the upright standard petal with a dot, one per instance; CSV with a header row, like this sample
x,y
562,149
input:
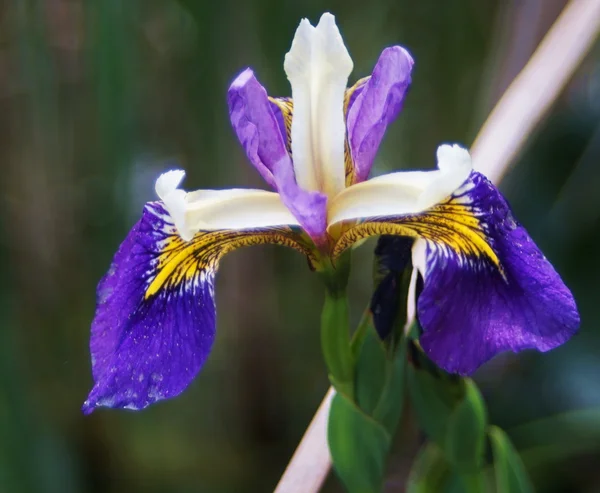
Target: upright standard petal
x,y
155,319
260,134
318,66
257,128
374,105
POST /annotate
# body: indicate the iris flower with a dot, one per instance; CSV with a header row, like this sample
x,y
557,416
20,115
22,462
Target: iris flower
x,y
487,287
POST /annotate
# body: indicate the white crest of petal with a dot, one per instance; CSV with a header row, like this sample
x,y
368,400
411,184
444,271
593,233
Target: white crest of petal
x,y
210,210
454,167
168,182
403,192
166,188
317,66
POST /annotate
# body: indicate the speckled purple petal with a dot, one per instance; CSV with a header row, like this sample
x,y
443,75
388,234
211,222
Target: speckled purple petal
x,y
148,348
260,134
470,312
376,105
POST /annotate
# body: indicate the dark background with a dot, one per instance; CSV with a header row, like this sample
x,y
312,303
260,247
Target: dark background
x,y
98,97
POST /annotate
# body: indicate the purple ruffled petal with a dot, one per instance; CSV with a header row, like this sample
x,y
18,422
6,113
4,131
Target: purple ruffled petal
x,y
375,105
470,311
260,133
146,348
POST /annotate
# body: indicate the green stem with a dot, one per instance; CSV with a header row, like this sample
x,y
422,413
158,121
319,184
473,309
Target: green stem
x,y
335,334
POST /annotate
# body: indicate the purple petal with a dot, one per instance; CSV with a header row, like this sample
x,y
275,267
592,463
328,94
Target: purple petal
x,y
149,347
470,311
257,127
260,133
376,105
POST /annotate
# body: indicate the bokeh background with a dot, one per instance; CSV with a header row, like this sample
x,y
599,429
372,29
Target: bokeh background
x,y
98,97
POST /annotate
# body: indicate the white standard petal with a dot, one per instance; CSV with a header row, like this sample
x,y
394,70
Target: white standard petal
x,y
211,210
317,66
403,192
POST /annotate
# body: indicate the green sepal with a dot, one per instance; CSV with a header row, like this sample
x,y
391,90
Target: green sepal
x,y
510,473
465,435
358,445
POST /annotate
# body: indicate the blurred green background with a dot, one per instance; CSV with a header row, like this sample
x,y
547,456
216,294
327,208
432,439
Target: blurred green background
x,y
98,97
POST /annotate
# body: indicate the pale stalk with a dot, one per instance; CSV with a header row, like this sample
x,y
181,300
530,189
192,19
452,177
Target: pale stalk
x,y
311,462
526,101
532,93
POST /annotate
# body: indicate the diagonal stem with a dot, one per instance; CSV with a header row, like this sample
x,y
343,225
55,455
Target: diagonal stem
x,y
311,462
499,141
532,93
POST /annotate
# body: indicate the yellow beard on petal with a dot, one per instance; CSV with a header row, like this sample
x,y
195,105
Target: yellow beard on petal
x,y
451,223
180,261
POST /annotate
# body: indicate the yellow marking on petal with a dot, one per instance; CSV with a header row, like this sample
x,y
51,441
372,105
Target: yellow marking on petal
x,y
348,163
181,261
450,223
286,106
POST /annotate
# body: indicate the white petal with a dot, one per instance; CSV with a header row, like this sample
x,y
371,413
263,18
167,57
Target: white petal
x,y
237,209
168,182
317,66
209,210
173,198
454,163
393,194
404,192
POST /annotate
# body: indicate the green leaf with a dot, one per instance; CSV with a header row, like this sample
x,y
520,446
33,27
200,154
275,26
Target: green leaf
x,y
389,408
430,472
465,434
511,476
434,394
473,482
370,372
358,446
559,437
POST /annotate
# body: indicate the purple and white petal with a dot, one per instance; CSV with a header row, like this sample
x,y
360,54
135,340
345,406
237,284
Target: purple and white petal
x,y
376,105
260,134
149,342
472,309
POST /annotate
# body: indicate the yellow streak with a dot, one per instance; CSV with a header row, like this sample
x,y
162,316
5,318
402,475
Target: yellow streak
x,y
181,261
450,223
